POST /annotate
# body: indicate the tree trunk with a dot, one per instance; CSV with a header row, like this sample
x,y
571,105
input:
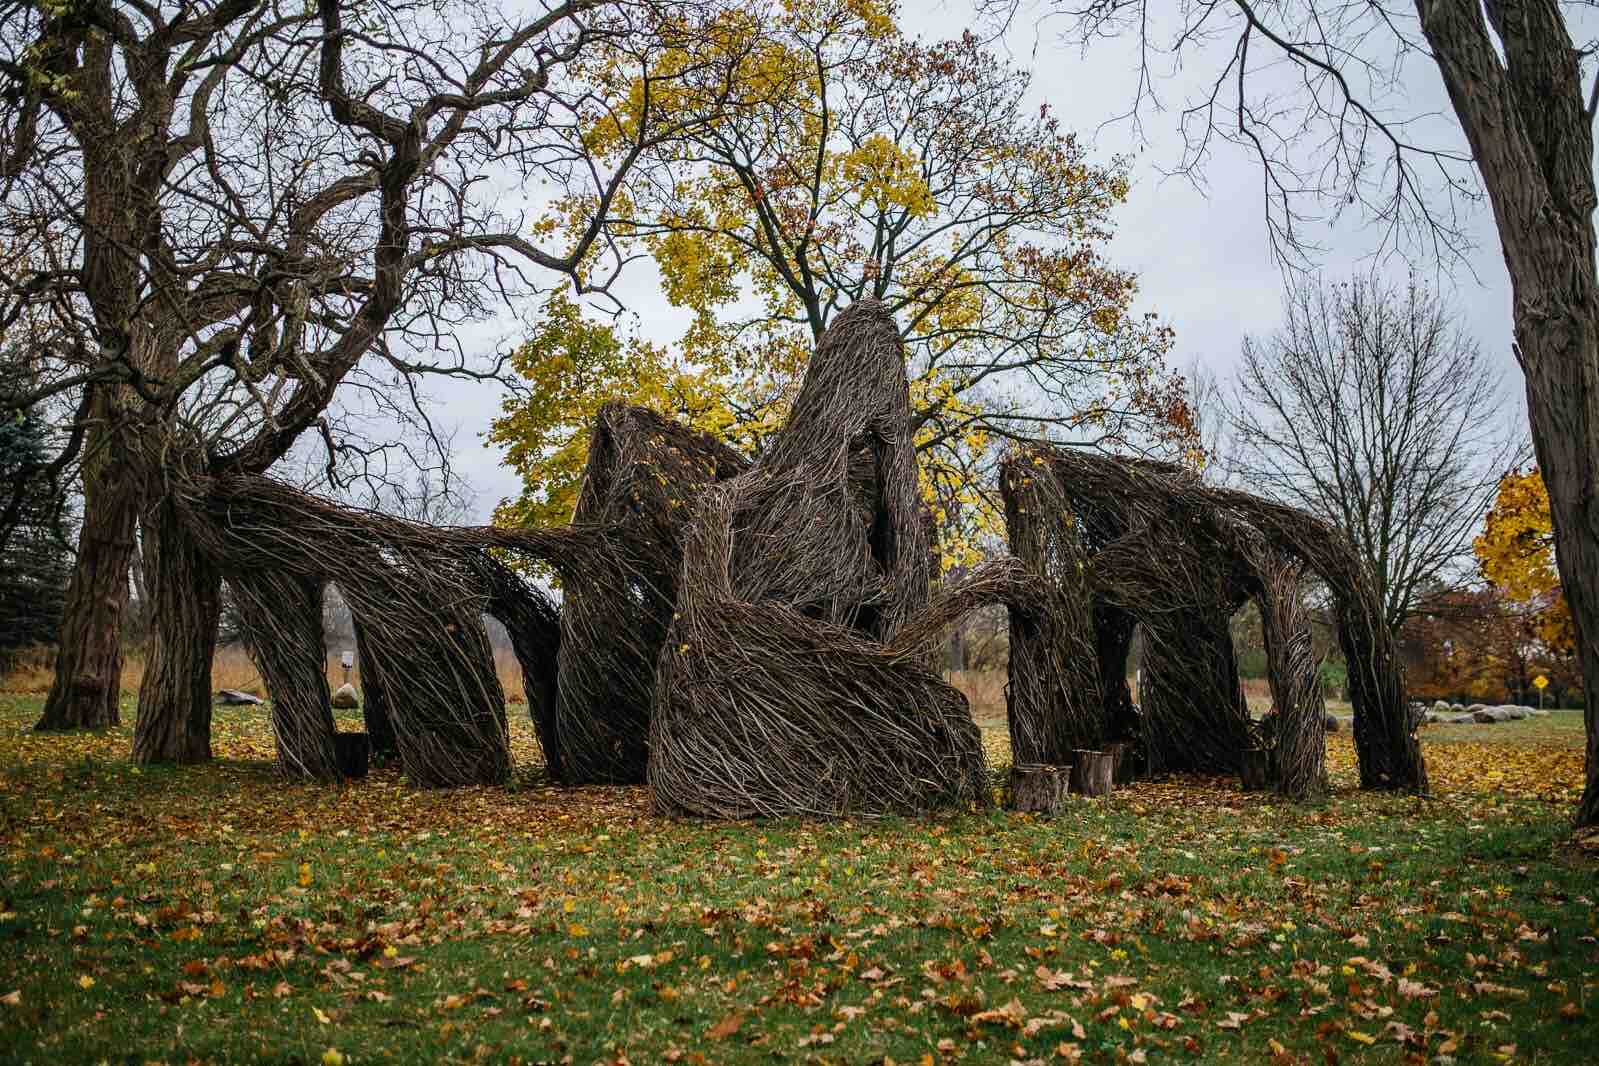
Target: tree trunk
x,y
1563,398
1524,111
174,723
88,679
955,661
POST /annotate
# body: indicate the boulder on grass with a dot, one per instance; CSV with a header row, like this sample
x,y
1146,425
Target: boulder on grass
x,y
1515,713
1486,716
232,697
1330,723
1441,707
1536,712
345,698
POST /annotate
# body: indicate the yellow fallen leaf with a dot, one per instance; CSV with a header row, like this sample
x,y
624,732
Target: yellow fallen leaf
x,y
85,982
332,1057
1364,1038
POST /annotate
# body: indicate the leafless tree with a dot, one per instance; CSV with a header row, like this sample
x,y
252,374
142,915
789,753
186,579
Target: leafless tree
x,y
231,208
1316,92
1368,408
1208,405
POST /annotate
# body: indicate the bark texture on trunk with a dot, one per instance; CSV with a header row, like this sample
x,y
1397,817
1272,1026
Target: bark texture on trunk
x,y
174,723
88,681
1523,109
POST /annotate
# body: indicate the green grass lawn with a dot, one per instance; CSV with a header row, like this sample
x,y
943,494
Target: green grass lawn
x,y
218,914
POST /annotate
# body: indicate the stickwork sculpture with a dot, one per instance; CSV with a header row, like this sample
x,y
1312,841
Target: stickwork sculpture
x,y
639,484
1132,540
756,639
420,597
795,678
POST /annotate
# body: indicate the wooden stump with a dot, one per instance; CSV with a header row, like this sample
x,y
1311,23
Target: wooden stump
x,y
1126,759
1040,788
1093,772
353,750
1255,770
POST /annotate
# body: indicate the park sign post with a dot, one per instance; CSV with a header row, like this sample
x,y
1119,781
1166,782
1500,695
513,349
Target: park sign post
x,y
1540,683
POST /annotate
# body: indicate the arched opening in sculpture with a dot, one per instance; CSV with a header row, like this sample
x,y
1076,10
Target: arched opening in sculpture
x,y
1148,543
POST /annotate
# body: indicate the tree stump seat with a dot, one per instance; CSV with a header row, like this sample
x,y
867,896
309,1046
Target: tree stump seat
x,y
1254,771
1039,788
1093,772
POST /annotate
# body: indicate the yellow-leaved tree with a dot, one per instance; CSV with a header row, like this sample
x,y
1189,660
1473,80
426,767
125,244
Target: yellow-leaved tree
x,y
571,367
1516,552
838,160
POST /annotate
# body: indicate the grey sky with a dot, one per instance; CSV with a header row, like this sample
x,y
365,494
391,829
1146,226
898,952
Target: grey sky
x,y
1203,257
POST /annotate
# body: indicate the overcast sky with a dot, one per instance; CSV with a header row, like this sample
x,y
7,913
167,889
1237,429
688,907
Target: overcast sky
x,y
1203,256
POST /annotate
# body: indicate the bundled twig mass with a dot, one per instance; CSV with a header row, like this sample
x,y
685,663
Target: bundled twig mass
x,y
755,639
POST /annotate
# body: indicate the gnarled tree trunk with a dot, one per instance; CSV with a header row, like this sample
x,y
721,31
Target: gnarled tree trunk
x,y
174,722
1524,111
88,679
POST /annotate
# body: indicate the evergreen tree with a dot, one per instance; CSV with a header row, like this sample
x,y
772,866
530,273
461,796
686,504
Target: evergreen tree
x,y
35,555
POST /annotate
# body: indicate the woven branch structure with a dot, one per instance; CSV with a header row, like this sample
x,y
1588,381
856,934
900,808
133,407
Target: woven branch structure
x,y
1132,541
639,484
794,678
756,639
418,595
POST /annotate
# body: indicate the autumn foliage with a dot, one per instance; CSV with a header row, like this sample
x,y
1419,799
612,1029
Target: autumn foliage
x,y
1488,643
837,160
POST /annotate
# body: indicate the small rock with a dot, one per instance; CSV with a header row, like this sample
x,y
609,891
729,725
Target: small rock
x,y
1486,716
1475,707
232,697
1330,723
345,698
1537,712
1441,707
